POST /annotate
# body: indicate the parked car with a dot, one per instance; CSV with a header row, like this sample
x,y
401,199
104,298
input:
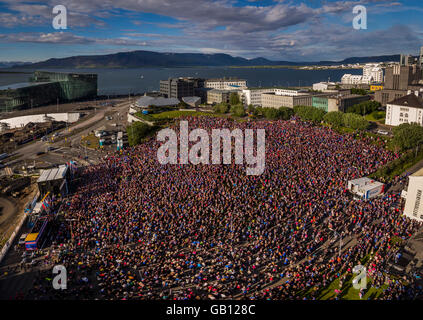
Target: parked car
x,y
383,132
22,239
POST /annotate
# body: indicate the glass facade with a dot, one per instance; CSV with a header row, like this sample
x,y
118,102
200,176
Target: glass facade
x,y
46,87
321,103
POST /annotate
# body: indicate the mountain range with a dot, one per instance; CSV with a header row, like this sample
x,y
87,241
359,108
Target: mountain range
x,y
9,64
137,59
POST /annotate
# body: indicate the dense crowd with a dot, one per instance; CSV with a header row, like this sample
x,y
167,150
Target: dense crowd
x,y
136,229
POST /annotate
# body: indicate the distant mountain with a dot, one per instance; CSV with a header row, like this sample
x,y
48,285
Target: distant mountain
x,y
390,58
137,59
9,64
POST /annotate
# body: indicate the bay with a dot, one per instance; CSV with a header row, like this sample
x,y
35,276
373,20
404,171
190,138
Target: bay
x,y
140,80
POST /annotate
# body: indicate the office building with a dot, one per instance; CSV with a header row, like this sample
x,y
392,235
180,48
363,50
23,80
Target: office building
x,y
398,80
177,87
215,96
400,77
47,87
406,60
338,102
226,84
274,100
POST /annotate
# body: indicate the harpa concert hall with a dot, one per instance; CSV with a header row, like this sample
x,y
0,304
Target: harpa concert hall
x,y
47,87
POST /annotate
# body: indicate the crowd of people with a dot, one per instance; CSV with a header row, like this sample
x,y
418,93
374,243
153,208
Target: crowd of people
x,y
136,229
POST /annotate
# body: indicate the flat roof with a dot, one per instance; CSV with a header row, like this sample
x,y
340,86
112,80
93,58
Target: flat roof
x,y
20,85
53,174
418,173
146,101
371,186
360,180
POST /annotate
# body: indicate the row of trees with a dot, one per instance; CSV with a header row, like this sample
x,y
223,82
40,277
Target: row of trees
x,y
349,120
137,131
364,108
283,113
407,136
335,118
309,113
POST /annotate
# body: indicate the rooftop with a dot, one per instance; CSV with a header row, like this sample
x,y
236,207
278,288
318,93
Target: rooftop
x,y
20,85
53,174
410,100
146,101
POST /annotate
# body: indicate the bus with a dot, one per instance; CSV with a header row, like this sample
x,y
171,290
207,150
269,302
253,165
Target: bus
x,y
35,238
3,156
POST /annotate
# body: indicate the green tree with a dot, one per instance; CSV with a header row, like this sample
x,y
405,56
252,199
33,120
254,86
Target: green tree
x,y
364,108
238,110
221,108
270,113
407,136
362,92
355,121
234,99
137,132
309,113
250,109
285,113
334,118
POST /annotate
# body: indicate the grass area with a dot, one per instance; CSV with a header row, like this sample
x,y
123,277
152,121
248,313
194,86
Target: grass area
x,y
177,114
91,141
376,117
171,115
348,292
396,240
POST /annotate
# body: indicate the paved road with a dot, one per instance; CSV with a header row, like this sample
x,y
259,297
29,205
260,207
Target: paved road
x,y
29,152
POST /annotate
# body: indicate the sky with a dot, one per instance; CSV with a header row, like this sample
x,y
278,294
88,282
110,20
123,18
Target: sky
x,y
288,30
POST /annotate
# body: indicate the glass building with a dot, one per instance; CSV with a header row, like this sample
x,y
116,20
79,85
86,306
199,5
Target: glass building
x,y
47,87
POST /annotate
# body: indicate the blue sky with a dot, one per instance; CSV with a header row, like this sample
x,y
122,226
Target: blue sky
x,y
310,30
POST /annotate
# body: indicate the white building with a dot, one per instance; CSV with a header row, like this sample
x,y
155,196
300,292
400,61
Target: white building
x,y
226,84
366,188
351,79
254,95
290,92
323,86
413,196
373,72
407,109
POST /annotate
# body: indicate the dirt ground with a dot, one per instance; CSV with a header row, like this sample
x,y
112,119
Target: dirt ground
x,y
12,210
